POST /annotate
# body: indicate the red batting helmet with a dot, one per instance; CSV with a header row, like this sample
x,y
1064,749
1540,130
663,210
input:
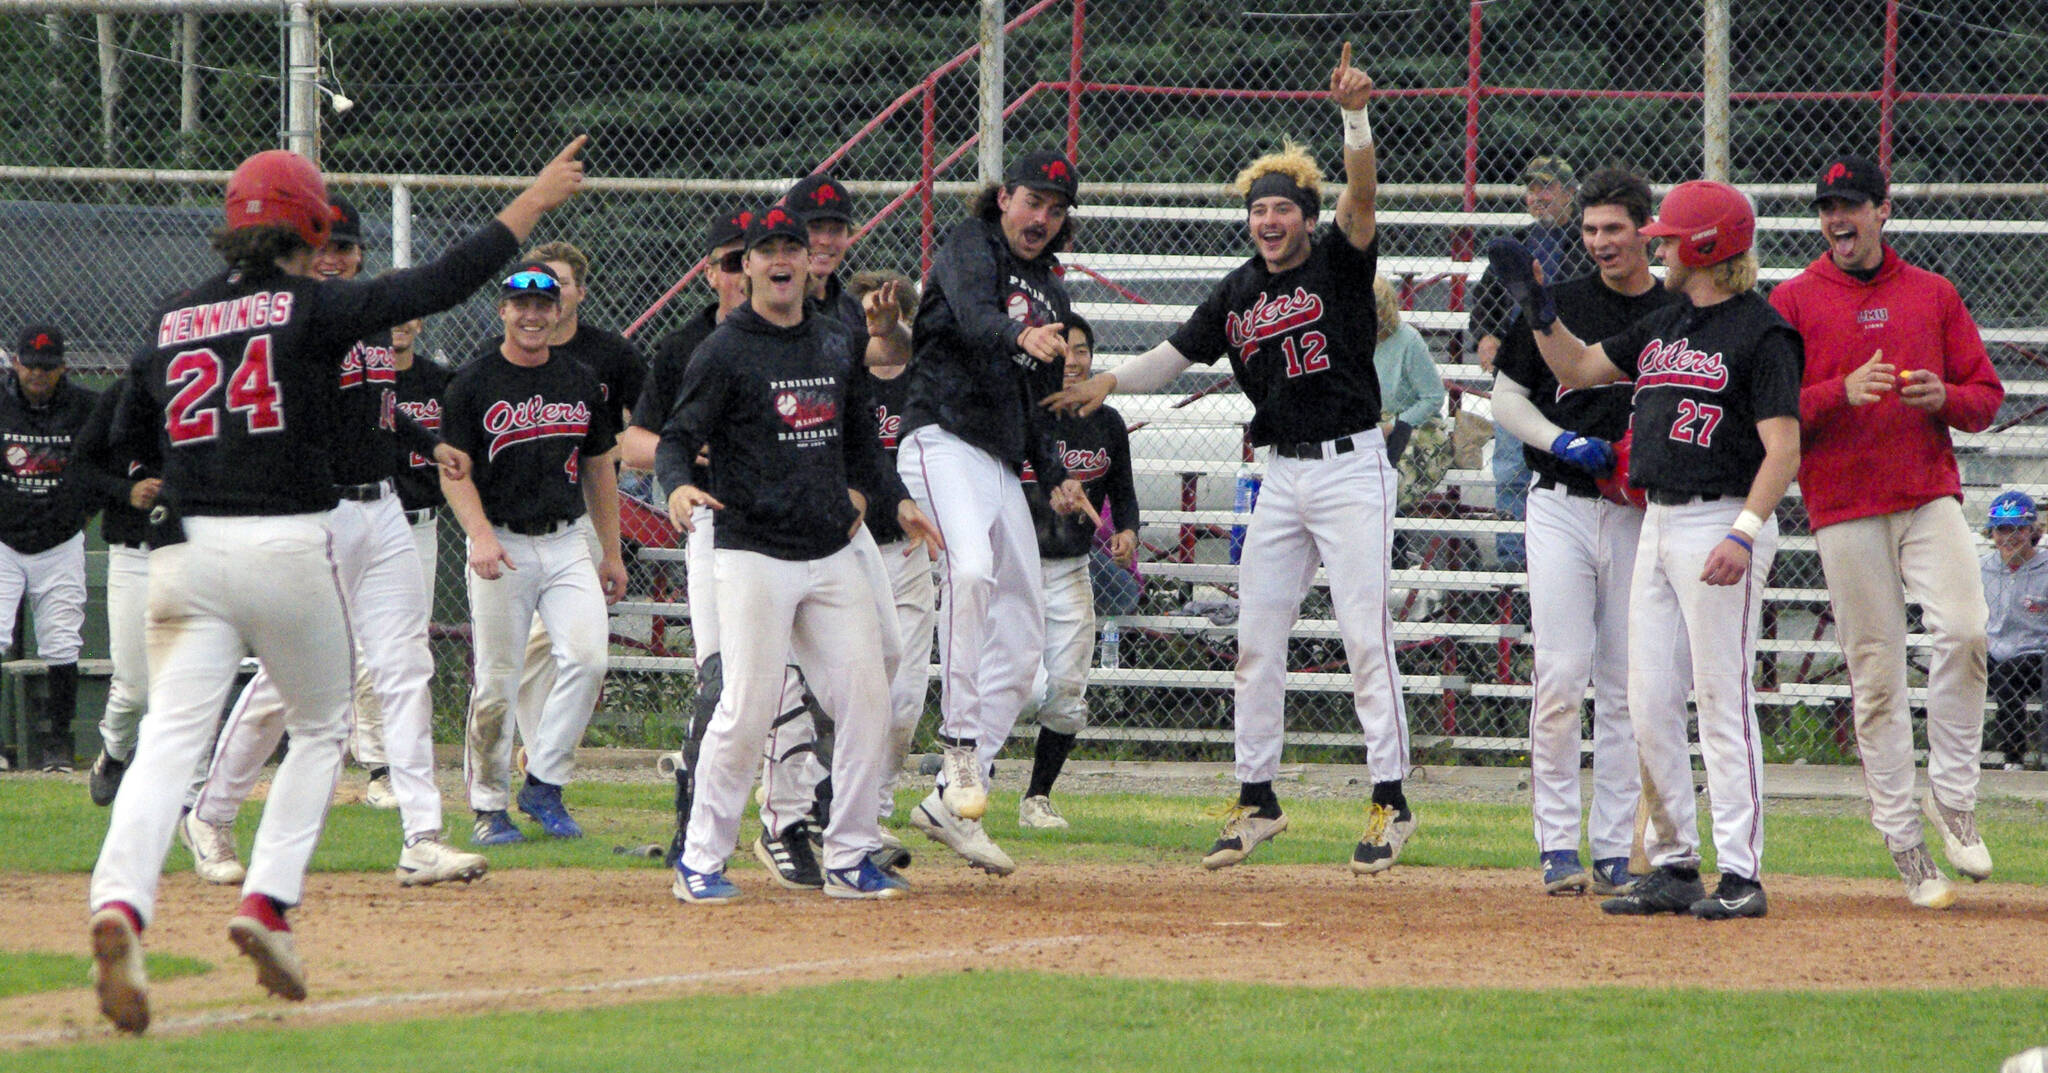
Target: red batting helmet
x,y
279,187
1711,222
1615,484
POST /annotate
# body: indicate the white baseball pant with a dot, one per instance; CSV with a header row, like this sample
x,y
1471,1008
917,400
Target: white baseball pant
x,y
1676,620
1872,566
378,561
550,575
824,611
914,594
1337,510
1060,687
537,676
235,585
54,579
991,603
128,647
1582,555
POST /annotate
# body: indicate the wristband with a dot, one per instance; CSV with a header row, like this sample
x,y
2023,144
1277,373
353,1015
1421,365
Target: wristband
x,y
1357,128
1748,524
1744,541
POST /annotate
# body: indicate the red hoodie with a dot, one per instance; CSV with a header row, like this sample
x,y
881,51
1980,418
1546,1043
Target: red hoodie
x,y
1856,462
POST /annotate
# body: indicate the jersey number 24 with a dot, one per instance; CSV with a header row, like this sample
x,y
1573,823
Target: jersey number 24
x,y
252,392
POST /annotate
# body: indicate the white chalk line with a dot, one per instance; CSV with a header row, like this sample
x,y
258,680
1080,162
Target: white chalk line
x,y
301,1011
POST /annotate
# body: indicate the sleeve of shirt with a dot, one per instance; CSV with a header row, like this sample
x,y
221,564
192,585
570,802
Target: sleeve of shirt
x,y
352,309
1041,446
1774,385
698,405
92,462
600,436
137,421
1822,400
664,376
1350,266
971,282
1201,339
629,380
1123,486
1624,348
417,438
867,468
1518,358
1490,308
461,424
1419,377
1974,390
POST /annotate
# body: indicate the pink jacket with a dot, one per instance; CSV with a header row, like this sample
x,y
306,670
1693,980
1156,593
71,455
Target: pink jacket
x,y
1856,462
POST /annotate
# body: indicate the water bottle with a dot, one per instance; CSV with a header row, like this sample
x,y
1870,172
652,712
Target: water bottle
x,y
1247,498
1105,651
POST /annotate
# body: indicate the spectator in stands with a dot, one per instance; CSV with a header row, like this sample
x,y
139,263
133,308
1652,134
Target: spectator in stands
x,y
2016,590
1551,195
1411,390
1893,361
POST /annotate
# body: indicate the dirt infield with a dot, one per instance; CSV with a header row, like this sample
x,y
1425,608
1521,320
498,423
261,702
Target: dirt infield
x,y
569,937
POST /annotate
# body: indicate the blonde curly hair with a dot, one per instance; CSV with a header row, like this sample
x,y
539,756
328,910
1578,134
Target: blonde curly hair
x,y
1292,161
1386,305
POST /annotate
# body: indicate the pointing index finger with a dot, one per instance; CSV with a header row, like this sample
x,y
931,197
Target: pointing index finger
x,y
575,146
1344,57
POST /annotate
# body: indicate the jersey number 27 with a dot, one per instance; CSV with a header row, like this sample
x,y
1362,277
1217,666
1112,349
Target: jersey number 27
x,y
252,392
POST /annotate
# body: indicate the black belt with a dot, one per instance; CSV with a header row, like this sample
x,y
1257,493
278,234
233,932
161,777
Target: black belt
x,y
1546,481
542,527
363,493
1313,449
415,517
130,545
1678,499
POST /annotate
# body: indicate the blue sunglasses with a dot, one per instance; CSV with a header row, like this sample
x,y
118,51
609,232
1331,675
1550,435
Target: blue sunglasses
x,y
531,280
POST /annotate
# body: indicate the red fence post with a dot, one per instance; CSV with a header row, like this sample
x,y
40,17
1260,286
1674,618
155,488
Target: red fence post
x,y
1888,90
1074,85
924,173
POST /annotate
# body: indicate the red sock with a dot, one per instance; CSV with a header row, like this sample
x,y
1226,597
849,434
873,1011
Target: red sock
x,y
265,910
134,918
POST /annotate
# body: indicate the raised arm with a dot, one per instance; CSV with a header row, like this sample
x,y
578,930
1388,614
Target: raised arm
x,y
1576,364
1351,88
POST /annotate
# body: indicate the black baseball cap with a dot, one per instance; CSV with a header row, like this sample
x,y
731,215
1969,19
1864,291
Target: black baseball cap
x,y
1048,171
777,222
40,347
532,277
348,223
820,197
1851,178
727,226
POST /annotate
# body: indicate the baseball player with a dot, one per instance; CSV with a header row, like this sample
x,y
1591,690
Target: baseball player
x,y
2016,590
1716,440
380,569
240,406
44,505
989,337
1299,325
1893,361
421,385
1582,546
776,395
1097,453
539,432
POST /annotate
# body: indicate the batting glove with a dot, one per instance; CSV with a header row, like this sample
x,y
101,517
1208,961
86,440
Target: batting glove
x,y
1590,453
1515,267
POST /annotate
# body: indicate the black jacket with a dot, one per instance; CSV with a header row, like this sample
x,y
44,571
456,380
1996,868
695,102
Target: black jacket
x,y
44,499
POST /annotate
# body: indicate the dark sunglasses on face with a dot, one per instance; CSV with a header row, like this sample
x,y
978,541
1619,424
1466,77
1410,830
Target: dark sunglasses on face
x,y
734,262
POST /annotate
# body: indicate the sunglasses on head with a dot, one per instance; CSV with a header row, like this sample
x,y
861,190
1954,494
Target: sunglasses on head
x,y
531,280
733,261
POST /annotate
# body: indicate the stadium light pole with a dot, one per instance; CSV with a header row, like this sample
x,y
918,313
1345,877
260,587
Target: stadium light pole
x,y
1715,98
302,113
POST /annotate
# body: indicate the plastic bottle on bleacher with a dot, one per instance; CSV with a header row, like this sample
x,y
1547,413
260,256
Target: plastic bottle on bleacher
x,y
1106,655
1247,498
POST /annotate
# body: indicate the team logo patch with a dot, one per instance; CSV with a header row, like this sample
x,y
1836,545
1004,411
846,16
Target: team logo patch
x,y
1056,171
1272,315
1836,173
535,419
1676,364
891,426
1084,465
824,195
802,408
368,364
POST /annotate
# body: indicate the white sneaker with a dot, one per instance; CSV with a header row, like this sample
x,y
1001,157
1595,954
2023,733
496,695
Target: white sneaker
x,y
1037,812
1243,831
1966,851
962,836
429,861
213,850
377,792
966,791
117,973
1926,887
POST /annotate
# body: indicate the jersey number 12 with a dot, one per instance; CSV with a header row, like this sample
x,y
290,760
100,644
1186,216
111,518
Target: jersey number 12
x,y
252,392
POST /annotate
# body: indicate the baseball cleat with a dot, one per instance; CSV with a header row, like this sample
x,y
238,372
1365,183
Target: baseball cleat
x,y
1611,876
429,860
260,933
1964,847
543,803
117,972
963,836
864,881
1664,890
1243,830
105,779
1926,887
377,793
494,828
706,888
1734,897
1386,831
965,790
789,857
213,850
1562,873
1037,812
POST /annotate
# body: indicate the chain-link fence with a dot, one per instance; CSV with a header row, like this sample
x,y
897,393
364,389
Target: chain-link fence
x,y
120,122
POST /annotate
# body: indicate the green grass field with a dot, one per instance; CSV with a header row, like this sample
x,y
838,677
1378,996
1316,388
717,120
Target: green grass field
x,y
1004,1020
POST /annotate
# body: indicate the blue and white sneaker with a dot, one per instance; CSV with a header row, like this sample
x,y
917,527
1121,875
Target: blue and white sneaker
x,y
1611,876
707,887
494,829
864,881
543,802
1563,874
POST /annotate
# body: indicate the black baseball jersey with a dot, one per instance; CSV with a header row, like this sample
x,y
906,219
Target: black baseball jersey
x,y
44,499
242,383
1300,342
665,373
1097,453
1592,310
94,450
1703,378
372,427
621,371
527,430
888,398
791,428
420,388
967,373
